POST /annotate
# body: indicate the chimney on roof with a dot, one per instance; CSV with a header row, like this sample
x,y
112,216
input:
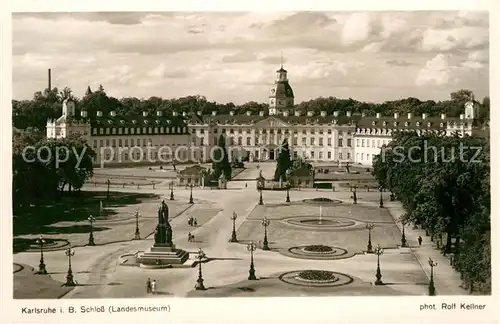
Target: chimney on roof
x,y
159,113
99,113
310,114
348,113
145,113
410,115
335,114
396,115
378,115
249,113
261,113
214,113
424,116
112,113
323,113
174,113
231,113
443,116
297,113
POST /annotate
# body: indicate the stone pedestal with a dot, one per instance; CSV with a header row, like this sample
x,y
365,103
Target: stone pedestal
x,y
162,257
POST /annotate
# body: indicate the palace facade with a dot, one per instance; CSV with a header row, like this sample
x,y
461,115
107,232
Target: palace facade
x,y
348,137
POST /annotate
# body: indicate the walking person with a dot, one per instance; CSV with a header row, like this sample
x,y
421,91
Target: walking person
x,y
190,237
153,287
195,222
148,286
419,240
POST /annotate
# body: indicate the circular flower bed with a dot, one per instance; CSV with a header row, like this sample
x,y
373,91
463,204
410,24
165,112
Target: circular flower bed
x,y
316,275
318,248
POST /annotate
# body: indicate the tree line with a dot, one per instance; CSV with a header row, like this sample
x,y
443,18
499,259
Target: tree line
x,y
48,104
443,184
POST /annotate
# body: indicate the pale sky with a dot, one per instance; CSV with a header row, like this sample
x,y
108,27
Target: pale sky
x,y
368,56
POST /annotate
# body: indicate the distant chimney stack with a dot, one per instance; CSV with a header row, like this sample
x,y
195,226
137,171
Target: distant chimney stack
x,y
462,116
335,114
443,116
99,113
396,115
174,113
112,113
424,116
159,113
323,113
145,113
83,113
378,115
410,115
50,80
184,114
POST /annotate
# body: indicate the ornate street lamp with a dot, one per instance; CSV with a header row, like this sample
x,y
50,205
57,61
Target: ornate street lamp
x,y
369,227
70,282
137,233
41,267
381,205
199,283
403,236
171,190
354,196
432,289
288,193
265,223
233,235
378,251
251,273
191,195
91,234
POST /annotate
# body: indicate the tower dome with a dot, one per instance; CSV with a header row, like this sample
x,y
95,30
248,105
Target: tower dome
x,y
281,96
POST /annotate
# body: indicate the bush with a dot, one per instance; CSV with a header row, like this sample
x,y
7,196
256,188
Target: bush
x,y
318,248
322,199
319,275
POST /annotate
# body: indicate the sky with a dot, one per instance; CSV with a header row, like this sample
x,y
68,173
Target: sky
x,y
233,56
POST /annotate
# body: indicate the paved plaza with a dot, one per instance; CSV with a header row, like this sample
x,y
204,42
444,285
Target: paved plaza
x,y
99,274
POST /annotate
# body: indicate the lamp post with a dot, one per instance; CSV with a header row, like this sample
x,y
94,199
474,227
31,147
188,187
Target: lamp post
x,y
41,267
354,196
199,283
191,195
432,289
369,227
288,193
91,234
172,190
137,233
381,204
265,223
261,202
233,235
403,236
107,192
70,282
251,273
378,251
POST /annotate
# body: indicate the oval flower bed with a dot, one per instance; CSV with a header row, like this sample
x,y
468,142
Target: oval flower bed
x,y
322,199
318,248
316,275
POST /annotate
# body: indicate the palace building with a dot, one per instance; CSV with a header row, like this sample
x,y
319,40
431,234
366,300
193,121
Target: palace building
x,y
319,137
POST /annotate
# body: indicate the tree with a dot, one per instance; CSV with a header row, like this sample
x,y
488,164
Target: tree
x,y
221,163
283,162
462,95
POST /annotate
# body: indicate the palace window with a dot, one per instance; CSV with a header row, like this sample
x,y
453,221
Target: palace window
x,y
321,142
349,142
341,142
240,141
329,141
313,141
248,140
329,154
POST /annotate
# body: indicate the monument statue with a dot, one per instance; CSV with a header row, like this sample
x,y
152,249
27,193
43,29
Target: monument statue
x,y
163,235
